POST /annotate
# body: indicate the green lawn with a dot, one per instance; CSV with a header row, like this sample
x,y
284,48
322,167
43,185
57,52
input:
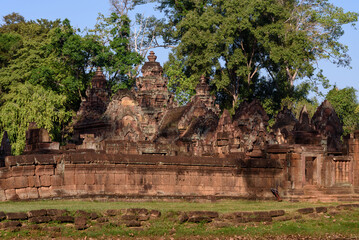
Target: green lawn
x,y
222,206
334,224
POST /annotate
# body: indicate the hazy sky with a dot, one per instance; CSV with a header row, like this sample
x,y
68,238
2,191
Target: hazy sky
x,y
83,13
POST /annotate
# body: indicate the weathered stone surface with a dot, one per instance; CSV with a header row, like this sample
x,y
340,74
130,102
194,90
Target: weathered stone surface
x,y
276,213
64,219
11,224
155,214
16,216
199,219
81,223
37,213
321,209
305,210
133,223
40,219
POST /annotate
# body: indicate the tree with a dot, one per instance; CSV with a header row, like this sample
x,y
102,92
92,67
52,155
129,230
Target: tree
x,y
117,56
247,43
29,103
345,103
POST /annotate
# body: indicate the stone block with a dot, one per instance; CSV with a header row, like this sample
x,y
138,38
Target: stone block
x,y
11,194
45,170
40,219
128,217
321,209
32,193
56,180
64,219
155,214
90,179
69,178
20,182
45,180
133,223
19,171
2,195
276,213
80,223
46,192
37,213
11,224
22,193
80,179
305,210
16,216
199,219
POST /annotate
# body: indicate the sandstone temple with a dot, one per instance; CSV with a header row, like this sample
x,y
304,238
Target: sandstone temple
x,y
140,143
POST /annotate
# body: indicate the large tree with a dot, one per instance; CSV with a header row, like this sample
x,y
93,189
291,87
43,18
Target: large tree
x,y
245,45
46,67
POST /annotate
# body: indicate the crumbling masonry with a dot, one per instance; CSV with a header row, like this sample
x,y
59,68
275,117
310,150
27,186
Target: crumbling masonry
x,y
140,143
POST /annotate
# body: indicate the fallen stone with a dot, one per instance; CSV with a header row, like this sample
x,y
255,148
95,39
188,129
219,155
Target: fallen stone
x,y
155,214
260,219
305,210
11,224
142,211
282,218
37,213
321,209
41,219
102,219
199,219
129,217
133,223
93,216
276,213
80,223
113,212
64,219
261,214
183,218
143,217
16,216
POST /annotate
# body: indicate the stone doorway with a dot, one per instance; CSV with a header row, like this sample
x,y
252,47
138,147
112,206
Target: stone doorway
x,y
311,177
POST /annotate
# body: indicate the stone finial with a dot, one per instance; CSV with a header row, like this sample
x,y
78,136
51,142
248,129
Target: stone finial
x,y
152,57
203,79
99,71
304,116
152,68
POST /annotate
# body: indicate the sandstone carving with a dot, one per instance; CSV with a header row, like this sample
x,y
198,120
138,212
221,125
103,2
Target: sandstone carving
x,y
139,142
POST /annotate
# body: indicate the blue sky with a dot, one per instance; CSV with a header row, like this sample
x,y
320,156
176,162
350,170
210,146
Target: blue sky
x,y
83,13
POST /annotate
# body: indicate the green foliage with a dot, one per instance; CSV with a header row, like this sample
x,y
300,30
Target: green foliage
x,y
117,57
252,47
53,58
26,103
345,103
182,86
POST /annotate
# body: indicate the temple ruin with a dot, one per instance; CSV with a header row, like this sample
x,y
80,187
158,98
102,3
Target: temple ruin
x,y
139,142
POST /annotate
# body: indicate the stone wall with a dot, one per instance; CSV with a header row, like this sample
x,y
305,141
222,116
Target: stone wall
x,y
90,174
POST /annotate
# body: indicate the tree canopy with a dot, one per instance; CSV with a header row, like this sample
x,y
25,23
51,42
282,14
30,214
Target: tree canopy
x,y
45,68
254,48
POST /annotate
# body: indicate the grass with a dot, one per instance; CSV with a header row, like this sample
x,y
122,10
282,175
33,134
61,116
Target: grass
x,y
343,224
223,206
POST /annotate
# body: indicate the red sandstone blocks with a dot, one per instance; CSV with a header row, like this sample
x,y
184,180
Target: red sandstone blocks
x,y
20,171
11,194
46,192
80,179
90,179
18,182
69,178
2,195
44,170
45,180
56,180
